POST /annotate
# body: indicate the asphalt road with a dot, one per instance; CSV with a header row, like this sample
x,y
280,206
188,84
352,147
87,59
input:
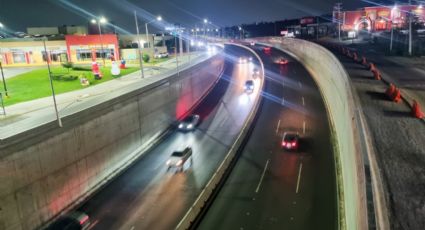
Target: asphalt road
x,y
270,188
146,196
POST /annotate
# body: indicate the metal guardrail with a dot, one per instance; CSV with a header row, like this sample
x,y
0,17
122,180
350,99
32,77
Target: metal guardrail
x,y
216,178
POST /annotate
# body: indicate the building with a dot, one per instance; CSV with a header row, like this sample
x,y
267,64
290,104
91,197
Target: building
x,y
378,18
60,30
74,48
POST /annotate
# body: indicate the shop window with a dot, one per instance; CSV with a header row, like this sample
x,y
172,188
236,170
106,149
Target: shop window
x,y
18,57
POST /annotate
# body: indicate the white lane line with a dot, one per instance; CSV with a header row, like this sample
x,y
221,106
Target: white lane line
x,y
303,127
299,83
262,176
299,177
277,127
303,101
283,101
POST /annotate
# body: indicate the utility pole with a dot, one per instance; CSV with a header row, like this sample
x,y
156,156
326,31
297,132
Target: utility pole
x,y
337,17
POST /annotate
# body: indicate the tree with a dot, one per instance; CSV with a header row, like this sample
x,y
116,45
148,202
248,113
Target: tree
x,y
68,65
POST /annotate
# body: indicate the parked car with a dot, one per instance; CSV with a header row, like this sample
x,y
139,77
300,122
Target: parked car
x,y
189,123
160,55
180,159
290,141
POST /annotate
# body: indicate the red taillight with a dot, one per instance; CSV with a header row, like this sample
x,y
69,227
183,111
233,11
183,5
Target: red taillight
x,y
84,220
283,143
294,144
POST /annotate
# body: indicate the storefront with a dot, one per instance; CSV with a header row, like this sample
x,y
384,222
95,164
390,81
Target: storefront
x,y
84,48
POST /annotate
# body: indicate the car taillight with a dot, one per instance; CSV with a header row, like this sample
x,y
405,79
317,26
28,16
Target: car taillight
x,y
288,145
283,143
294,144
84,220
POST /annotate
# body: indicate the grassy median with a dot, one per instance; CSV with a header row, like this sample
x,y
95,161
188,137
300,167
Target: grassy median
x,y
35,84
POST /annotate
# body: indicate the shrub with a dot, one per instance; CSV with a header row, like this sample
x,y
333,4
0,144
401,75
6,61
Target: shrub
x,y
66,77
81,68
146,58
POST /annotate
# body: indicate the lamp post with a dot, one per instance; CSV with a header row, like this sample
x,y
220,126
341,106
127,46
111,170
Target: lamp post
x,y
205,29
1,69
99,21
159,18
138,45
51,84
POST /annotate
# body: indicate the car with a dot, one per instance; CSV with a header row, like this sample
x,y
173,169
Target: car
x,y
189,123
242,60
249,86
282,61
255,72
73,221
179,159
290,141
161,55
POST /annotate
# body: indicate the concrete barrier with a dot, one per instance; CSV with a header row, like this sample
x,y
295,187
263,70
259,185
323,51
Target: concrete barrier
x,y
217,177
334,85
48,170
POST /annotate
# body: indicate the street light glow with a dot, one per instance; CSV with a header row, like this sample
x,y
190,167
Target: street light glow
x,y
420,6
93,21
103,20
159,18
205,21
1,25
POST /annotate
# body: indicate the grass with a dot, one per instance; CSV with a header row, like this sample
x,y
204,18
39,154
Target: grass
x,y
35,84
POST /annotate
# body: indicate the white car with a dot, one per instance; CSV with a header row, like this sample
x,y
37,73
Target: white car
x,y
249,86
161,55
180,159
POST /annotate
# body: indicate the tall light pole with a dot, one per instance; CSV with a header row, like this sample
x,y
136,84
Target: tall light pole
x,y
1,69
159,18
51,84
99,21
138,45
205,28
410,29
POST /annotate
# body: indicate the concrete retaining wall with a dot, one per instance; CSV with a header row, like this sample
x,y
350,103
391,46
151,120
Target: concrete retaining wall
x,y
335,88
45,170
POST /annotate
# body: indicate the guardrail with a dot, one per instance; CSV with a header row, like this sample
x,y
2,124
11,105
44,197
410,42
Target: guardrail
x,y
216,178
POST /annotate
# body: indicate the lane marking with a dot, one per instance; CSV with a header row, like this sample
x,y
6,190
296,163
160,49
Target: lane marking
x,y
262,176
303,101
299,177
303,127
283,101
277,128
299,83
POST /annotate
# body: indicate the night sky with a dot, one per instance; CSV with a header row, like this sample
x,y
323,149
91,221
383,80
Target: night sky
x,y
19,14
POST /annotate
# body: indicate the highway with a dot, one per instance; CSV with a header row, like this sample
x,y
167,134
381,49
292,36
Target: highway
x,y
270,188
146,196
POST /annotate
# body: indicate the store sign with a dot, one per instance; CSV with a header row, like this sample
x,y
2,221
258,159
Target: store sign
x,y
305,21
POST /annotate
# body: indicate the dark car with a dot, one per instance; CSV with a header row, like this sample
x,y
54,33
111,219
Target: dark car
x,y
189,123
290,141
249,86
72,221
178,159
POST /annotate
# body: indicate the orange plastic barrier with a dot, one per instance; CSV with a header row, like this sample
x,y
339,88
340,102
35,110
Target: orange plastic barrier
x,y
376,74
416,110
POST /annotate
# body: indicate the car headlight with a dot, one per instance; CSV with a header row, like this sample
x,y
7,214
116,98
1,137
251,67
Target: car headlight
x,y
180,126
189,126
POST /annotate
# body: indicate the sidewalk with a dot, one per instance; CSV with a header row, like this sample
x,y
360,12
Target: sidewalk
x,y
398,140
39,111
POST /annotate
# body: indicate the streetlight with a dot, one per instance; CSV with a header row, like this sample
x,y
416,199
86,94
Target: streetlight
x,y
1,69
138,45
159,18
205,23
101,20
